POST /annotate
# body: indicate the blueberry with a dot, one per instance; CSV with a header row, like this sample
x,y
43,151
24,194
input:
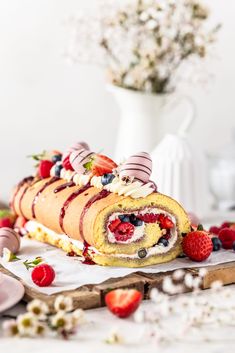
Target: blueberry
x,y
142,253
124,217
163,241
216,244
58,168
135,221
56,158
234,245
107,178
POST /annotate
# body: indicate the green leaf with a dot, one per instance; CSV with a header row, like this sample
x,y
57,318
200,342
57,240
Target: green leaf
x,y
88,165
5,213
200,227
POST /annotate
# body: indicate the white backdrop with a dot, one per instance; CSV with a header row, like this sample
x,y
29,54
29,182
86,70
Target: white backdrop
x,y
47,103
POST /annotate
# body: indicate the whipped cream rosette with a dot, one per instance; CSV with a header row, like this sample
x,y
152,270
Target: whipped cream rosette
x,y
111,215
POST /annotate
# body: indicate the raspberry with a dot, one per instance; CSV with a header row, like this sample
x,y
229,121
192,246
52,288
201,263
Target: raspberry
x,y
214,230
227,237
43,275
149,217
113,225
44,168
124,231
66,164
197,245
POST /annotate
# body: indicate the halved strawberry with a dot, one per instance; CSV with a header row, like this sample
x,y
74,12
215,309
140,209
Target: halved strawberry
x,y
101,165
44,168
113,225
7,218
123,302
165,222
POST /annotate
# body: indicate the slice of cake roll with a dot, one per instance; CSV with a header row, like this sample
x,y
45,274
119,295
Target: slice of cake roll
x,y
111,215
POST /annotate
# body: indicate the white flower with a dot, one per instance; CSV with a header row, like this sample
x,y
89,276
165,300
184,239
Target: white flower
x,y
78,317
114,338
27,325
62,321
38,308
63,303
10,328
202,272
178,274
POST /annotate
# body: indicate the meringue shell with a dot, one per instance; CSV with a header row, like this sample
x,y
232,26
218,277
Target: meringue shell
x,y
9,239
79,158
138,166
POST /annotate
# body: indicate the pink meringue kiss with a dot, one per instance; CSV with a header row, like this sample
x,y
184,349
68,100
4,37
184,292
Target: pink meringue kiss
x,y
76,147
79,158
9,239
138,166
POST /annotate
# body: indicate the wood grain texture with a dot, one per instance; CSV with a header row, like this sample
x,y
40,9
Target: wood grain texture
x,y
92,296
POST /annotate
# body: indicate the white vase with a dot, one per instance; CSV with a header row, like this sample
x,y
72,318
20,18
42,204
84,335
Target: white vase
x,y
139,115
180,171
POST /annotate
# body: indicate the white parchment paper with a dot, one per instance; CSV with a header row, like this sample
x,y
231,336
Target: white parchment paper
x,y
71,273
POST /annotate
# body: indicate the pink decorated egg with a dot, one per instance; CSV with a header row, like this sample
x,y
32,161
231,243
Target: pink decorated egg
x,y
9,239
77,146
79,158
138,167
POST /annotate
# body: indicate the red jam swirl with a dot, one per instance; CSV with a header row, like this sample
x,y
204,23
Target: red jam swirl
x,y
64,186
68,201
35,200
27,180
101,195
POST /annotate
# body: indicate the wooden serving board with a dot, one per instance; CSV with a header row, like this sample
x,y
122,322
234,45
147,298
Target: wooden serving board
x,y
92,296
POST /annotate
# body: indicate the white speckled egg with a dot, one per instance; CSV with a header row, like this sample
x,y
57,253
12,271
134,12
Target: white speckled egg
x,y
76,147
9,239
79,158
138,166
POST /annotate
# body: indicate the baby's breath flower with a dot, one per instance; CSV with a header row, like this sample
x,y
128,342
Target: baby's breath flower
x,y
63,303
10,328
38,308
27,324
62,321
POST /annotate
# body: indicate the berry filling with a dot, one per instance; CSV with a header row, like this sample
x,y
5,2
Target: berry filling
x,y
127,228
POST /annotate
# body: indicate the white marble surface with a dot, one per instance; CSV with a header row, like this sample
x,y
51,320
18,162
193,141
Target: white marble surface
x,y
90,337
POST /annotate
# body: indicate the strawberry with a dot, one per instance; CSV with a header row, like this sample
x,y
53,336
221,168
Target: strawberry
x,y
123,302
113,225
124,231
149,217
165,222
101,165
7,218
66,164
227,237
43,275
197,245
44,168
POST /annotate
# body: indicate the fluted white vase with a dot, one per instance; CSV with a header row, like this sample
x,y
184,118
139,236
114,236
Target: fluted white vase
x,y
139,116
180,171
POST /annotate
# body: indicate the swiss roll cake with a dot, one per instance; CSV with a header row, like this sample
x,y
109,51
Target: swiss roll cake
x,y
113,215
